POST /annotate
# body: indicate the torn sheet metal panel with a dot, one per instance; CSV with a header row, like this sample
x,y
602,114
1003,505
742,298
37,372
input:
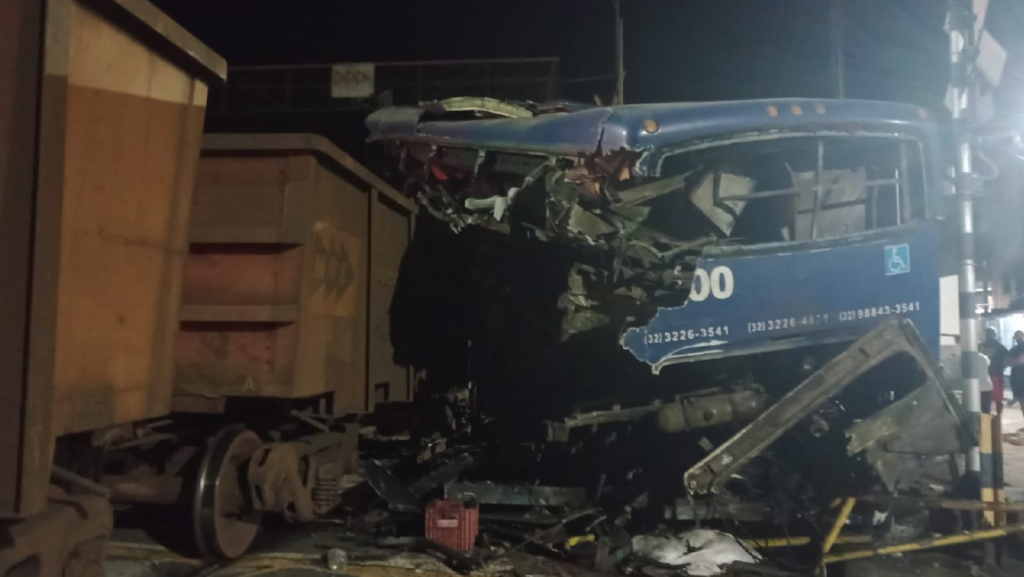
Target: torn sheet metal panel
x,y
690,510
394,121
719,209
841,210
548,133
481,106
445,473
893,337
896,438
389,488
769,297
523,495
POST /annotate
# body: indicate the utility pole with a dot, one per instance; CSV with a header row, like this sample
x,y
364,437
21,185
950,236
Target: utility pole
x,y
837,27
620,72
963,86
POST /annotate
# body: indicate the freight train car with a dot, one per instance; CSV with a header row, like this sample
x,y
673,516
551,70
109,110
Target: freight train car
x,y
295,250
101,114
177,330
293,253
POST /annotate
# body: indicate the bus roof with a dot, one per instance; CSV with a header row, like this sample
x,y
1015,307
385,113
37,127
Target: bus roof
x,y
648,128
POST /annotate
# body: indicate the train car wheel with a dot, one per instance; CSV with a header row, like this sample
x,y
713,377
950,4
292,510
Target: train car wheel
x,y
224,524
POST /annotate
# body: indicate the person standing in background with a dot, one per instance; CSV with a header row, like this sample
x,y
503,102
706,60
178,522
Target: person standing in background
x,y
950,366
985,387
1015,358
996,353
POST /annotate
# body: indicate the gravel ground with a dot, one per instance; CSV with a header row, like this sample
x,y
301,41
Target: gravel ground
x,y
927,563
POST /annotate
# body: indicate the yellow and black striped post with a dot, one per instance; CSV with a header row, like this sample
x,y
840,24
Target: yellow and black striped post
x,y
988,491
998,475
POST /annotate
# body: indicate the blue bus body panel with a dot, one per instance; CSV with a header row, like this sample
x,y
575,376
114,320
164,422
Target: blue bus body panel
x,y
780,296
607,129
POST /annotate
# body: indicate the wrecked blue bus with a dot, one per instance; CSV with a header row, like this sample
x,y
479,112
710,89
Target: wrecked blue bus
x,y
746,296
720,229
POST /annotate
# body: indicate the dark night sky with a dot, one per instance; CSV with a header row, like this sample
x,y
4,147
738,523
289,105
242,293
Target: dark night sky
x,y
675,49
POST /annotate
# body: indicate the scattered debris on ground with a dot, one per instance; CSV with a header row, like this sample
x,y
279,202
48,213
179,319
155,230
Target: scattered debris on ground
x,y
701,552
735,480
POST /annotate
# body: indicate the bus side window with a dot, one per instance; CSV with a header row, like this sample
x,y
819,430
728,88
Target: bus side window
x,y
804,187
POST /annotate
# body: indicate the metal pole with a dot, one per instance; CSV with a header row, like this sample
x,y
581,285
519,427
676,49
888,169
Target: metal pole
x,y
922,544
961,44
837,25
620,72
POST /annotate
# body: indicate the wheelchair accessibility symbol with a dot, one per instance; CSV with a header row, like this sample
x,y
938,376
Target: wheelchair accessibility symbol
x,y
897,259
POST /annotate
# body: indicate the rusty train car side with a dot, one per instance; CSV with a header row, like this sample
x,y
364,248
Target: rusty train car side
x,y
284,337
101,114
295,249
134,318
